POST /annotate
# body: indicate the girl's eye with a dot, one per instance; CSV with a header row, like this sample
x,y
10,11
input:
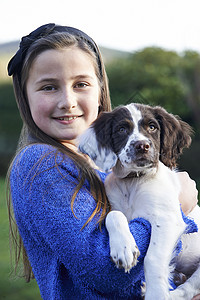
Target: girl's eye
x,y
49,88
81,85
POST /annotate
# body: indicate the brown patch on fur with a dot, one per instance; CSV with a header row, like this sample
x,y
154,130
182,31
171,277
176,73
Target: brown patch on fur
x,y
175,134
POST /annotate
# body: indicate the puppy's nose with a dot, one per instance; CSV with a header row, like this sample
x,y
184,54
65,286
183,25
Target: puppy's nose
x,y
142,146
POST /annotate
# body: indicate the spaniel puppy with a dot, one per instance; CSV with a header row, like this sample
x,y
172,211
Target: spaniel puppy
x,y
141,145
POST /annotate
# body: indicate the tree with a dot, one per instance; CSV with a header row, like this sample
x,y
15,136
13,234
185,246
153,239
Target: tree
x,y
190,76
160,77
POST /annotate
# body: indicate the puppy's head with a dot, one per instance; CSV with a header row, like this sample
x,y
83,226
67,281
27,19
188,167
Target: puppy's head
x,y
175,135
132,138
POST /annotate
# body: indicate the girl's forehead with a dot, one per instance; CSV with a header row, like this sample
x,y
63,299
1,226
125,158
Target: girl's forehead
x,y
68,55
66,62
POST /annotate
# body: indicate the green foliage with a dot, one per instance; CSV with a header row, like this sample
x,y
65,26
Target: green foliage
x,y
10,122
11,288
10,125
161,77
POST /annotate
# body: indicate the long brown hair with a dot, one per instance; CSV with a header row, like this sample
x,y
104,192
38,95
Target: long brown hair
x,y
31,133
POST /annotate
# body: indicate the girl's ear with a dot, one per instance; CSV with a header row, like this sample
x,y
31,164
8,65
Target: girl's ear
x,y
96,142
174,137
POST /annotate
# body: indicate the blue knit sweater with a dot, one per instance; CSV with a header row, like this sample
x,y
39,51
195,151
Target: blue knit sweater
x,y
68,263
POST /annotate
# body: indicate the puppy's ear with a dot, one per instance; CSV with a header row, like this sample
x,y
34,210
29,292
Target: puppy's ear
x,y
175,136
96,142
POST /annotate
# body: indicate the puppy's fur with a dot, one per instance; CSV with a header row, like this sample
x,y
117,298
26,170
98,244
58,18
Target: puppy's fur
x,y
141,144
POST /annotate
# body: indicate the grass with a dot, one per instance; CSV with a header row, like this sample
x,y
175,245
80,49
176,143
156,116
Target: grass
x,y
11,288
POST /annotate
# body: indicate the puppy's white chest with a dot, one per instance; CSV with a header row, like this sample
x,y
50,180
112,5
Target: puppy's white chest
x,y
119,194
145,197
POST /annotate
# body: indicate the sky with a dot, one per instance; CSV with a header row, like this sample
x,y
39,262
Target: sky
x,y
128,25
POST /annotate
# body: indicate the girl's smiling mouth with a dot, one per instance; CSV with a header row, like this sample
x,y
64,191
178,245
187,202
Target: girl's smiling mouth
x,y
65,118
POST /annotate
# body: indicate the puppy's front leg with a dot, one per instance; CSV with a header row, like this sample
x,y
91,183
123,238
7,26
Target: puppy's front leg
x,y
123,249
164,236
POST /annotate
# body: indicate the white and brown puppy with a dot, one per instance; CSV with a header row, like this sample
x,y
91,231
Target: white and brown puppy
x,y
141,144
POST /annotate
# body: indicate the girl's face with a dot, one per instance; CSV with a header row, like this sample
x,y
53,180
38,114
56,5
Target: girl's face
x,y
63,93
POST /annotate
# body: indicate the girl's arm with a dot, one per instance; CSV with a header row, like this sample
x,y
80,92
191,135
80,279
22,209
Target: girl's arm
x,y
41,195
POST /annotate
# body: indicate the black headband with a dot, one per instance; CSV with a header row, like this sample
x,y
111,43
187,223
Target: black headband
x,y
16,62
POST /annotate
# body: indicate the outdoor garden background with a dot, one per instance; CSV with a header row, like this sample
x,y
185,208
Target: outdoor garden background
x,y
151,75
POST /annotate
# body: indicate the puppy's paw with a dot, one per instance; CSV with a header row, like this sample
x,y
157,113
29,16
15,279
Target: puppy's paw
x,y
179,278
124,252
123,249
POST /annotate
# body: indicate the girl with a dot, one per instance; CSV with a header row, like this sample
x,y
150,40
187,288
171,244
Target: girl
x,y
57,194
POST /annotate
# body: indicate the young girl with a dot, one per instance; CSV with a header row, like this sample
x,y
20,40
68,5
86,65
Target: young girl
x,y
57,194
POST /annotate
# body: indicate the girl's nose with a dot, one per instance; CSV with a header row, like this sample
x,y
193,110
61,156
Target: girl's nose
x,y
67,100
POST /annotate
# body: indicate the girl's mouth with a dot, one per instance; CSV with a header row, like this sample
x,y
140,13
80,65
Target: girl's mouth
x,y
67,118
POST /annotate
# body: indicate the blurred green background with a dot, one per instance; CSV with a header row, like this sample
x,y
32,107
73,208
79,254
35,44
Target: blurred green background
x,y
11,288
151,76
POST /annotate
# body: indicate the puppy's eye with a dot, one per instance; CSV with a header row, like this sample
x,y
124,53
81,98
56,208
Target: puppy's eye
x,y
152,127
122,130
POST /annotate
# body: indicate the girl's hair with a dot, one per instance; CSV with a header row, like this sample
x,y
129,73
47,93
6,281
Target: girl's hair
x,y
56,37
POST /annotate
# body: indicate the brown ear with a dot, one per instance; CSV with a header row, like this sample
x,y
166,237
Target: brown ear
x,y
96,142
175,136
103,129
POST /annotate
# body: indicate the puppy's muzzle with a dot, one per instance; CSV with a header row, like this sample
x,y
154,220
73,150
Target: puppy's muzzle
x,y
141,146
141,153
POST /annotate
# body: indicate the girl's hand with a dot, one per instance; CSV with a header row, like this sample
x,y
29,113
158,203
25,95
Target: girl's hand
x,y
188,196
197,297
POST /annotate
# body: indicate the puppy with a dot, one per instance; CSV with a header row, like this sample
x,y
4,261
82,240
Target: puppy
x,y
141,144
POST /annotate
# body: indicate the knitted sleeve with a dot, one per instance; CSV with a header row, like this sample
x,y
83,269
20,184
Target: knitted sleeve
x,y
42,184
